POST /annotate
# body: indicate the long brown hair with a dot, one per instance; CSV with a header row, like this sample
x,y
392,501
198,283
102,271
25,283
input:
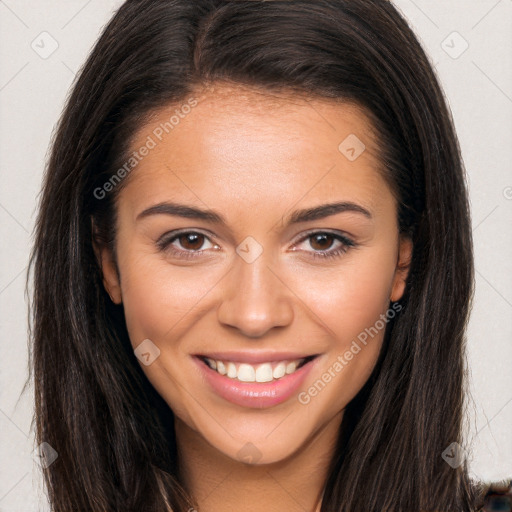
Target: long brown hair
x,y
113,433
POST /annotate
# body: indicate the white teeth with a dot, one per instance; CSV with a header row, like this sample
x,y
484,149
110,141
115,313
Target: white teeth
x,y
221,368
246,373
264,372
231,370
279,371
291,367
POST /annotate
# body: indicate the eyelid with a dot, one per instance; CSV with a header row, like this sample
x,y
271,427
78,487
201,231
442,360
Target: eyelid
x,y
178,232
299,238
340,234
165,241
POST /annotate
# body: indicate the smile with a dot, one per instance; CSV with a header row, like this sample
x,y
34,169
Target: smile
x,y
264,372
255,382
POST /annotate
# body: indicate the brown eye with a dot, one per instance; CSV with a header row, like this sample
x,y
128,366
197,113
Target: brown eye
x,y
186,244
191,241
325,245
321,241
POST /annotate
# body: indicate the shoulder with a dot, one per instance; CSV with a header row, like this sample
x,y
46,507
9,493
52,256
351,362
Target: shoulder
x,y
496,496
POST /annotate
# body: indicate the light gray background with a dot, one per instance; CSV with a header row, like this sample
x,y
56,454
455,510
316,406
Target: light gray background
x,y
478,87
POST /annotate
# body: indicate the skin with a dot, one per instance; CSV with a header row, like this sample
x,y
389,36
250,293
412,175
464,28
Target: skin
x,y
254,157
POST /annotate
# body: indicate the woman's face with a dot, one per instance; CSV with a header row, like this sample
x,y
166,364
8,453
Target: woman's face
x,y
226,249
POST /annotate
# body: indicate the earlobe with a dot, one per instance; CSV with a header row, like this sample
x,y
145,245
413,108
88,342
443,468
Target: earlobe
x,y
402,268
110,277
108,268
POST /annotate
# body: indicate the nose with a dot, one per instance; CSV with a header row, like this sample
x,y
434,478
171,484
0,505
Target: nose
x,y
255,298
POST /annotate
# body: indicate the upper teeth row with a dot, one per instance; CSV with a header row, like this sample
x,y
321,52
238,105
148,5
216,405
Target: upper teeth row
x,y
249,373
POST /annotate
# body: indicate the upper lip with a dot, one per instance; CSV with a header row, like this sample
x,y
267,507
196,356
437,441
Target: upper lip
x,y
255,357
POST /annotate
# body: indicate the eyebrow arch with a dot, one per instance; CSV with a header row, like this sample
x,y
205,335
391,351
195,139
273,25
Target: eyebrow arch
x,y
326,210
298,216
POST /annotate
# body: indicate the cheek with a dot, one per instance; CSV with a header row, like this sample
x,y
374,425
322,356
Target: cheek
x,y
351,303
161,301
350,297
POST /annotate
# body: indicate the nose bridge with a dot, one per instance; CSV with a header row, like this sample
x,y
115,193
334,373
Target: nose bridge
x,y
256,299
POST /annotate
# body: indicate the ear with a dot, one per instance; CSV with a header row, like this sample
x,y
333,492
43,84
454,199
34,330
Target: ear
x,y
108,267
402,267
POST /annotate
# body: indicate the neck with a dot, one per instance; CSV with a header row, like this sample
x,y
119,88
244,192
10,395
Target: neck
x,y
219,483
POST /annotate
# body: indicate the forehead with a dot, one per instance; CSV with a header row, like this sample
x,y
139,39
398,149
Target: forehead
x,y
242,144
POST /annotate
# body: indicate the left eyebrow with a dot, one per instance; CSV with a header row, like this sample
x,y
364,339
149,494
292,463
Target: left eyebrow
x,y
326,210
298,216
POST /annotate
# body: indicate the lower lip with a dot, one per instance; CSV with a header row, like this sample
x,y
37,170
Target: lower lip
x,y
255,394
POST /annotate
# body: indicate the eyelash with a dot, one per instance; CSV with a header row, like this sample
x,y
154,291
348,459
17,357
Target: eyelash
x,y
164,244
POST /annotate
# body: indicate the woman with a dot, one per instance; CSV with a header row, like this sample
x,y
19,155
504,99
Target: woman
x,y
308,353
